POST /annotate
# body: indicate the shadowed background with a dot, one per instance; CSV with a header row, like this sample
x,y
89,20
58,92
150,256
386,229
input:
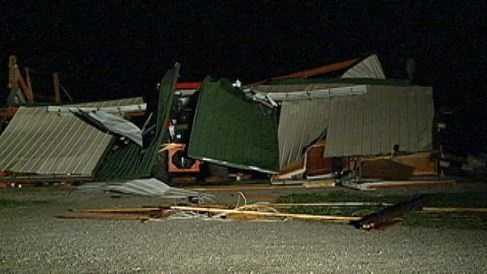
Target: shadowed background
x,y
113,49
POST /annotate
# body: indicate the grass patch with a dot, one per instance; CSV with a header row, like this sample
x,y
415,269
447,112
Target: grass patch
x,y
6,203
338,196
449,220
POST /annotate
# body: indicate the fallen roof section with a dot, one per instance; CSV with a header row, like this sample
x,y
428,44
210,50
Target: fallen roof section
x,y
114,124
45,143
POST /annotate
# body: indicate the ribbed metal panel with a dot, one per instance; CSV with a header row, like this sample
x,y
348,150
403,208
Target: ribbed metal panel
x,y
372,124
46,143
300,123
40,142
296,87
370,67
112,103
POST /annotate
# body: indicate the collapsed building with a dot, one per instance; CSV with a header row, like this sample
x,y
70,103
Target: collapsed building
x,y
297,125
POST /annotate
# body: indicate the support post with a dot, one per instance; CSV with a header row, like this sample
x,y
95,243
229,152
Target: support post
x,y
57,92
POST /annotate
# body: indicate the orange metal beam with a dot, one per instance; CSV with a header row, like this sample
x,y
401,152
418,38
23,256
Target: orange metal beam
x,y
319,70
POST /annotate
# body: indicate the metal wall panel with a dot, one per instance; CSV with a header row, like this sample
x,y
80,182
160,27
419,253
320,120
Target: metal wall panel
x,y
300,123
387,115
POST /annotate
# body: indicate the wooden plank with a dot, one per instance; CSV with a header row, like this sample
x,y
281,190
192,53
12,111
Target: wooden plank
x,y
57,92
320,183
29,95
385,169
122,210
331,204
316,163
396,184
12,73
27,78
269,214
104,216
423,163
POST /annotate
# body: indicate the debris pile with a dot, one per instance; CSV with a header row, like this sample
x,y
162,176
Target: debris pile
x,y
339,124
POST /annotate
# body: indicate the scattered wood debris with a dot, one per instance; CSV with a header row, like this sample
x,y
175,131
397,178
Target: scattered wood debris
x,y
320,183
245,212
377,184
268,214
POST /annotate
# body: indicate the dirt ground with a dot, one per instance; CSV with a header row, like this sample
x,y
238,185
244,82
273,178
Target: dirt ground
x,y
32,240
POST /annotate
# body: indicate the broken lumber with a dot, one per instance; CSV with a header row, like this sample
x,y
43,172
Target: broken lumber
x,y
320,183
269,214
399,184
104,216
122,210
388,215
331,204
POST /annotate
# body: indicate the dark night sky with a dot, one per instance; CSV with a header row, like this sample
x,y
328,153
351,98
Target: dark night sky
x,y
112,49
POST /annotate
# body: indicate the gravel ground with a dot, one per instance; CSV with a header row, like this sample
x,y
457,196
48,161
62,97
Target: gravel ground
x,y
33,241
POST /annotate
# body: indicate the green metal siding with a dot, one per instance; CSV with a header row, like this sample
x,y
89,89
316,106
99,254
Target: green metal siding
x,y
133,161
232,129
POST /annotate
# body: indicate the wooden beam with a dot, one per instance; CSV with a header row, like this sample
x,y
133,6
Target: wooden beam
x,y
329,204
12,74
27,78
29,95
269,214
122,210
15,79
57,92
104,216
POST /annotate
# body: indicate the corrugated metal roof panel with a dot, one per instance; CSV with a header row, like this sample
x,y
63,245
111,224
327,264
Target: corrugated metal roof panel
x,y
111,103
39,142
46,143
372,124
